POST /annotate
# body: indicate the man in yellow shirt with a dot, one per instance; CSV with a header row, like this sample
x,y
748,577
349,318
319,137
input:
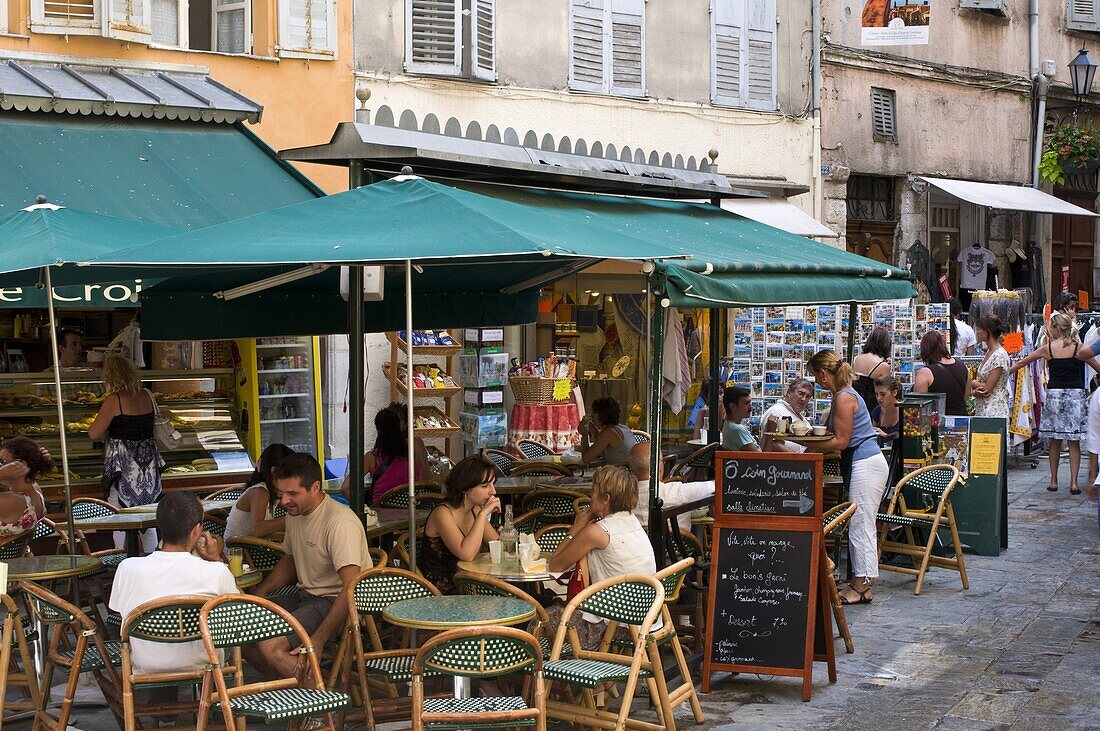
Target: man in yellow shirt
x,y
326,548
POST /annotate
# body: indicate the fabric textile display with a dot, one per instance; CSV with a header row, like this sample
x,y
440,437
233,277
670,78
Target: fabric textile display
x,y
677,367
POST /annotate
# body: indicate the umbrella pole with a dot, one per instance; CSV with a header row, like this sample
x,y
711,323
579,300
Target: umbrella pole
x,y
656,374
355,389
410,437
60,413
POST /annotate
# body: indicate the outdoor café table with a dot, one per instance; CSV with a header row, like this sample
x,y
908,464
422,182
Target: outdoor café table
x,y
505,572
454,612
516,485
392,521
208,506
131,523
249,579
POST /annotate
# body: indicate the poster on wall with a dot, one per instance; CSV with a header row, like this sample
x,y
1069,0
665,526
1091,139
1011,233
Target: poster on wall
x,y
895,23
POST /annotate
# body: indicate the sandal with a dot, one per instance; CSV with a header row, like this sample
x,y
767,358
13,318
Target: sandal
x,y
863,598
1075,491
1053,488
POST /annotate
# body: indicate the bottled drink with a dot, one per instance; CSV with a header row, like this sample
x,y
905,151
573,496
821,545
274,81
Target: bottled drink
x,y
509,539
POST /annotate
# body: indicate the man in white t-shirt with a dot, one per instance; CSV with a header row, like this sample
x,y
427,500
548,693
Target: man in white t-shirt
x,y
965,339
792,406
172,571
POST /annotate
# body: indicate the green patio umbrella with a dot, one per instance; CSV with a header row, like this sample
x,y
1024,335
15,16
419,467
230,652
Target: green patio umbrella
x,y
43,236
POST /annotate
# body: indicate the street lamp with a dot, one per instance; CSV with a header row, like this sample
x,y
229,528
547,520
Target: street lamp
x,y
1082,71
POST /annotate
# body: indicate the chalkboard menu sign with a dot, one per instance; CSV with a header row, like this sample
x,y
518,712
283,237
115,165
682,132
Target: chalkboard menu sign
x,y
768,600
762,483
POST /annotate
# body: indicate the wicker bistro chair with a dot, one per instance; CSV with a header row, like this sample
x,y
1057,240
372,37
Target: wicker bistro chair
x,y
170,620
379,557
76,647
214,524
366,657
549,537
581,504
479,652
533,450
263,556
697,466
46,528
17,672
233,492
504,462
475,584
833,523
529,521
232,621
17,546
640,436
541,469
398,497
632,600
935,483
556,504
90,507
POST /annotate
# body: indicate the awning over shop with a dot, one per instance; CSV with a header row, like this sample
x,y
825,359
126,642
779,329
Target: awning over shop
x,y
686,288
780,214
1006,197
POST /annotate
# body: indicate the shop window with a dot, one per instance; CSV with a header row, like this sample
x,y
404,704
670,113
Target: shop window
x,y
451,38
607,47
743,53
883,115
307,28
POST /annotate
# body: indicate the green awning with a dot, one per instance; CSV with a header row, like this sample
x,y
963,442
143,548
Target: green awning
x,y
183,174
685,288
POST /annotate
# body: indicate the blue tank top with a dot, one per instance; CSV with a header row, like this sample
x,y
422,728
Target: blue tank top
x,y
864,438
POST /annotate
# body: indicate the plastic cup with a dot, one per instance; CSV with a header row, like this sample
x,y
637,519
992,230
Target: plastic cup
x,y
496,551
236,561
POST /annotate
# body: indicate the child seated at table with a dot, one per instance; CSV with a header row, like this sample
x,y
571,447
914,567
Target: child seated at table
x,y
458,529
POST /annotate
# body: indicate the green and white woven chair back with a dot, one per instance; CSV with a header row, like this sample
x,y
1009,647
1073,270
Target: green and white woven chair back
x,y
49,612
704,457
171,624
15,548
240,622
42,529
216,527
627,602
483,656
260,557
831,515
428,502
503,462
533,450
555,506
529,521
377,590
231,494
639,437
473,587
396,498
550,537
277,511
831,468
934,481
674,582
83,510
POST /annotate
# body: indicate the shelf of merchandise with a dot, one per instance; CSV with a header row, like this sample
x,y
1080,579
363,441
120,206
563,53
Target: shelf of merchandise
x,y
397,387
419,393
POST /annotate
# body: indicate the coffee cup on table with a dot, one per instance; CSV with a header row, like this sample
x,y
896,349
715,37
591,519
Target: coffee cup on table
x,y
819,430
800,428
781,426
496,551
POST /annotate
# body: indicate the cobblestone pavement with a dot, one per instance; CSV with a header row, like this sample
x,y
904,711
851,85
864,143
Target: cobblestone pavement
x,y
1020,649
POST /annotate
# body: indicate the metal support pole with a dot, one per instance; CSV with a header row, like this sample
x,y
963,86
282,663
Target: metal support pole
x,y
410,438
656,370
356,370
714,398
60,413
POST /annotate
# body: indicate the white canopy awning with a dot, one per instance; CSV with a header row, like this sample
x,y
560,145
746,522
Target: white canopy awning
x,y
778,213
1007,197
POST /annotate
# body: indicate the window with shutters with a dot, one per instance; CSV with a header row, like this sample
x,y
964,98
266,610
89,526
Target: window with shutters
x,y
71,17
451,38
743,53
307,28
1083,15
607,47
883,116
3,16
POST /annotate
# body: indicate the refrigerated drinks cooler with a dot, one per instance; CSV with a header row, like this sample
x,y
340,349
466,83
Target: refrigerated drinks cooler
x,y
279,393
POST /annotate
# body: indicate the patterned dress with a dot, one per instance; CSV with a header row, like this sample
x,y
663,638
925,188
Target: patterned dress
x,y
131,463
25,522
996,403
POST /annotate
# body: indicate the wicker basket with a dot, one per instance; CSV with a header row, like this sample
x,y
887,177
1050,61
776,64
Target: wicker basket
x,y
535,390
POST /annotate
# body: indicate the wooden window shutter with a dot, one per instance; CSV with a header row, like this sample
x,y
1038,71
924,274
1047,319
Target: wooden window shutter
x,y
483,39
760,55
587,42
1083,15
129,20
727,26
433,37
628,47
66,16
883,118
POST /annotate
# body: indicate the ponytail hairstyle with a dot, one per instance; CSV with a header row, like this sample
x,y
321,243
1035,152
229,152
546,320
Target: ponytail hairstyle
x,y
829,361
1062,325
992,325
28,452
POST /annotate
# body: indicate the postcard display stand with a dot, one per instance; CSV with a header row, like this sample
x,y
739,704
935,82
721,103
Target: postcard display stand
x,y
769,604
482,369
771,345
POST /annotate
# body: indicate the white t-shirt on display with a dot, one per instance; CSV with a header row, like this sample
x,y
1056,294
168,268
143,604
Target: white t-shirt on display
x,y
156,576
964,338
975,262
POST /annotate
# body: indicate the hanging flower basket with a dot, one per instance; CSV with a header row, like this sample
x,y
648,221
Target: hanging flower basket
x,y
1069,149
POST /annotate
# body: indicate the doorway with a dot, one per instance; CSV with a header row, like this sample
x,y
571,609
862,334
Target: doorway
x,y
1073,243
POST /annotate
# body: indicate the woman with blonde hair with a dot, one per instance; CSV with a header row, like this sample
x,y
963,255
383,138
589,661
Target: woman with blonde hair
x,y
131,463
610,537
1065,408
862,467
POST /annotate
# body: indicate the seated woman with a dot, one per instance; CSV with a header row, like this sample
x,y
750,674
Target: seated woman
x,y
612,540
388,463
612,440
458,529
252,513
21,502
884,417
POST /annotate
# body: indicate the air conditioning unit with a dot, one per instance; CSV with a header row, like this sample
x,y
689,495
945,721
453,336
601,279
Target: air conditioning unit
x,y
994,7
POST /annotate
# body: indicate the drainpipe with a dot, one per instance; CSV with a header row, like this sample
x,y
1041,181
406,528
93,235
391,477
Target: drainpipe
x,y
1033,38
815,97
1042,86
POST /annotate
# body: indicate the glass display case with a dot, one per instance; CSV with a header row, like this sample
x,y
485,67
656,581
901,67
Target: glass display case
x,y
916,418
278,389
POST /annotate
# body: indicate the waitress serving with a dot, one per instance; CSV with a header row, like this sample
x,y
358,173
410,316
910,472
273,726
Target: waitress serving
x,y
862,467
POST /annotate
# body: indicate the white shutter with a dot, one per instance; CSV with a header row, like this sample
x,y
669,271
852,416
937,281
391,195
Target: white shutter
x,y
166,22
760,55
587,43
307,27
1083,15
231,26
727,23
78,17
129,20
483,63
628,47
433,37
3,16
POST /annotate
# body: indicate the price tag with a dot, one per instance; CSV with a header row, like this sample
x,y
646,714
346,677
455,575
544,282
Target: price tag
x,y
1013,342
562,388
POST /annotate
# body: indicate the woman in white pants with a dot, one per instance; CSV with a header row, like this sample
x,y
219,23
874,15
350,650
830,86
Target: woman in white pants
x,y
862,467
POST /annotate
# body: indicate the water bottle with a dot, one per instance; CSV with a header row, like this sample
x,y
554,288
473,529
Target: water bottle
x,y
509,539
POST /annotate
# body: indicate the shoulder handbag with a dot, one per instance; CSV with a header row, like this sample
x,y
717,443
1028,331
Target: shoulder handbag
x,y
166,435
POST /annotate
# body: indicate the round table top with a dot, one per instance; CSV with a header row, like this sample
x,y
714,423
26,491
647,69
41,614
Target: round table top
x,y
452,612
249,579
119,521
208,506
40,568
484,565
